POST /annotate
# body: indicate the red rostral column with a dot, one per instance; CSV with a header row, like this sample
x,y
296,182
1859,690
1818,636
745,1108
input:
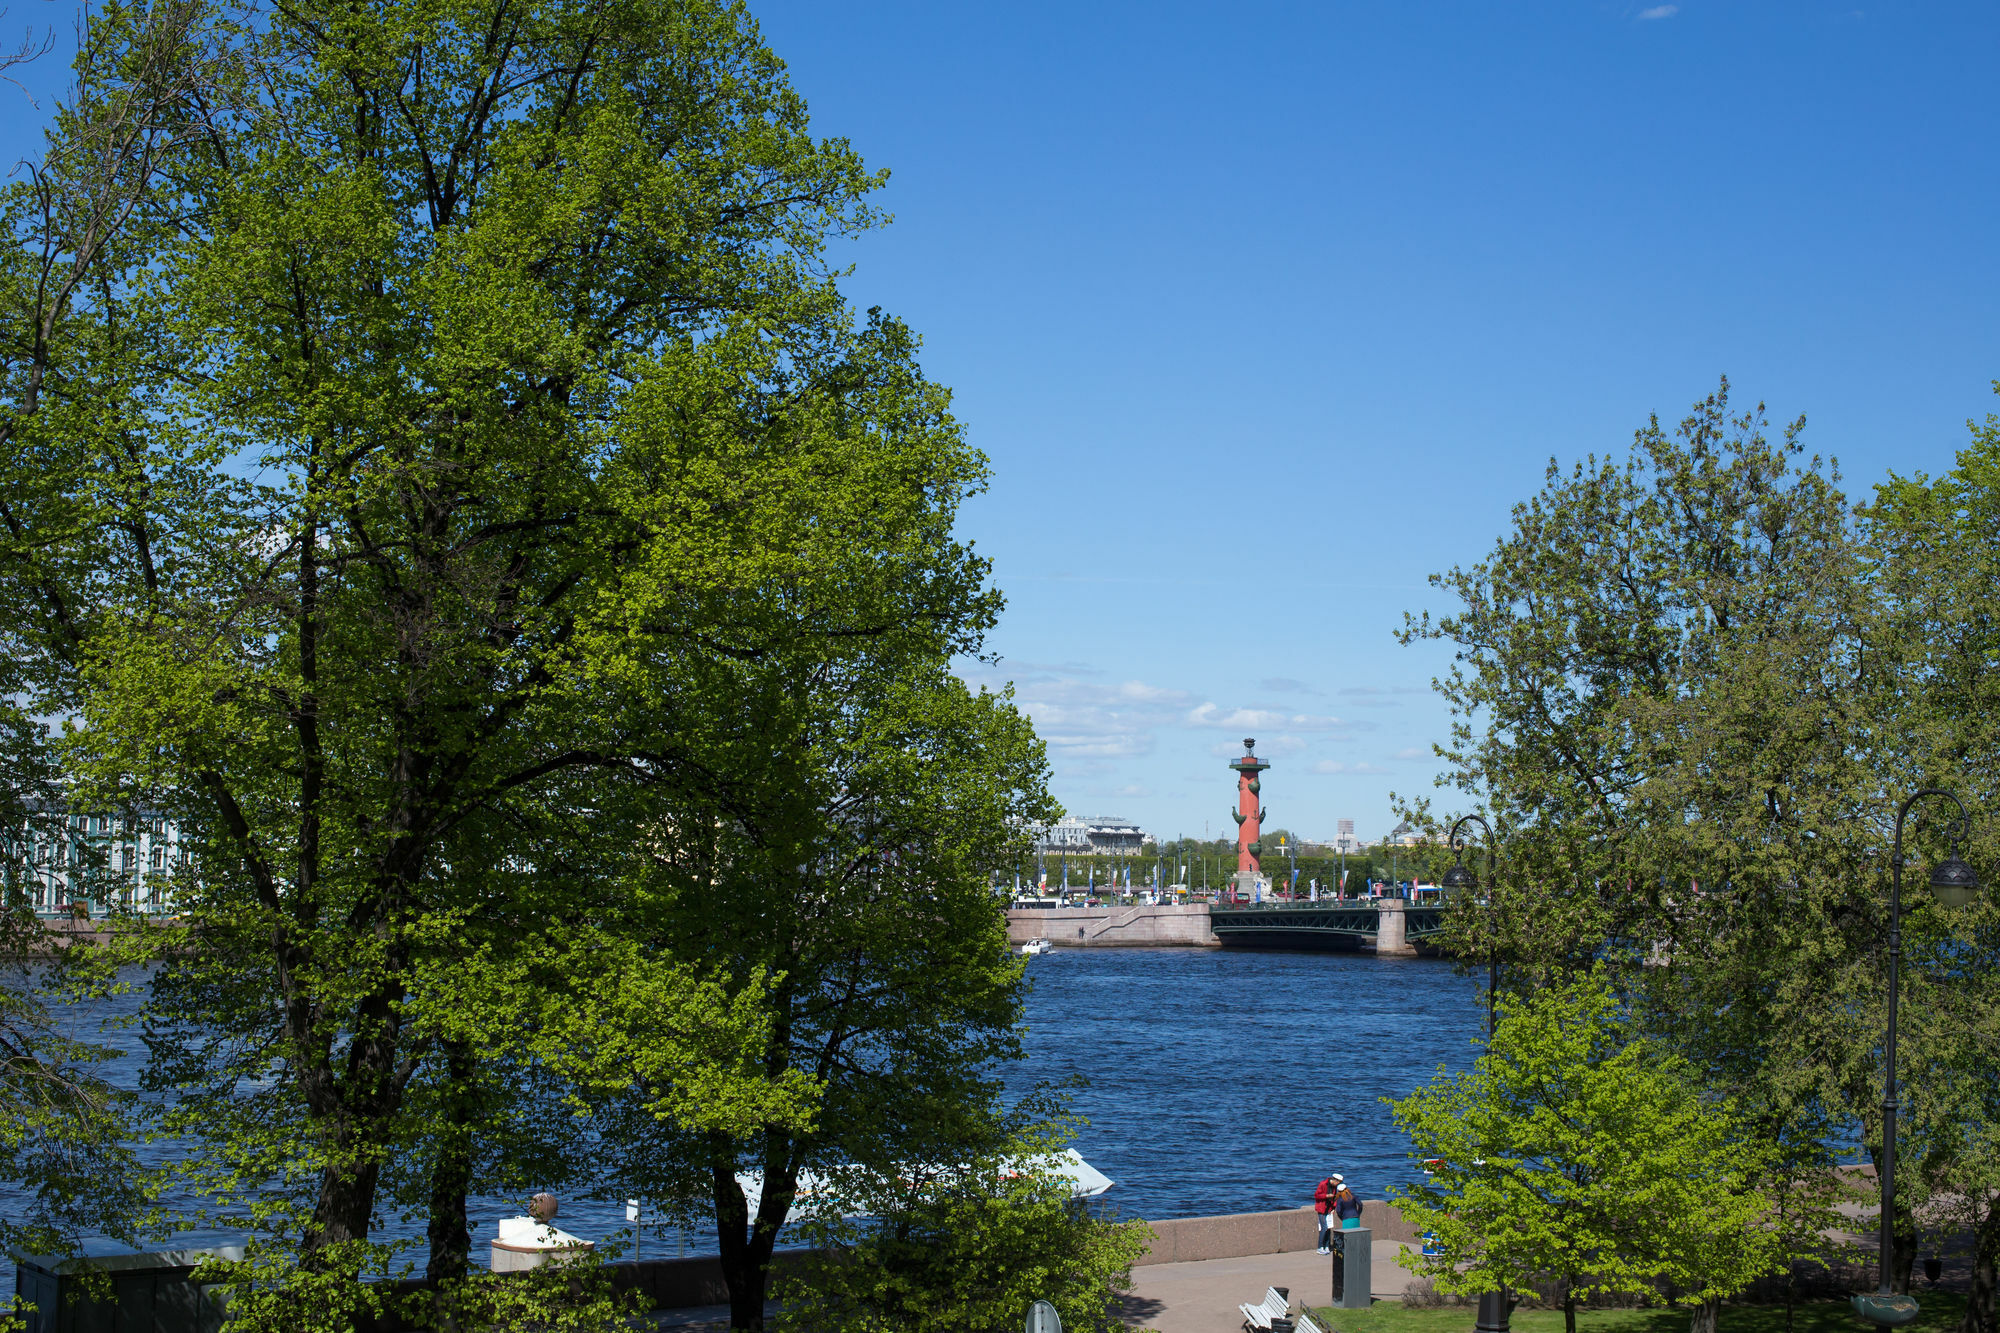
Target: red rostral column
x,y
1249,816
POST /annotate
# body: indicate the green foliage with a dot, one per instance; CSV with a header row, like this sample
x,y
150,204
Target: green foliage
x,y
850,868
969,1248
1936,549
1941,1311
1577,1148
440,471
1677,700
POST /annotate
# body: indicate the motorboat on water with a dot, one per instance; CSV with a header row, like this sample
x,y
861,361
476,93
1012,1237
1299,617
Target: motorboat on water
x,y
1033,947
822,1195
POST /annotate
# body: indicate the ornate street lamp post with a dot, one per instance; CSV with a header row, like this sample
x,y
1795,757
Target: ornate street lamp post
x,y
1954,884
1492,1304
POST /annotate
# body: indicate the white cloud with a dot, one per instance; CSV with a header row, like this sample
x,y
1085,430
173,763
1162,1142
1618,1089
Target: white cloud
x,y
1413,752
1270,749
1659,12
1088,719
1339,766
1285,685
1374,696
1265,719
1091,725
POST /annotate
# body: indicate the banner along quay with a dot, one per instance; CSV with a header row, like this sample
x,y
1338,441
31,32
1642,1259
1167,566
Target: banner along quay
x,y
1388,927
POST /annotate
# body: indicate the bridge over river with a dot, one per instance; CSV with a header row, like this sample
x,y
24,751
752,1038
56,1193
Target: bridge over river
x,y
1387,926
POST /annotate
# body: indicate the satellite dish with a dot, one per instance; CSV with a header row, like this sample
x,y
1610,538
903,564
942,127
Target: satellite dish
x,y
1042,1318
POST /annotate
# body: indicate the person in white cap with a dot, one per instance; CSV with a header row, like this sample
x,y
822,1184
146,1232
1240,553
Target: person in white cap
x,y
1346,1207
1324,1196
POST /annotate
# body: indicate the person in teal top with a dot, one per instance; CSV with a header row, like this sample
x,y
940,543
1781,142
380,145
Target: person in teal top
x,y
1347,1207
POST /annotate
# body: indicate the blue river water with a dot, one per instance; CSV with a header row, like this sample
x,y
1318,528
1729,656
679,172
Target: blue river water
x,y
1226,1081
1215,1080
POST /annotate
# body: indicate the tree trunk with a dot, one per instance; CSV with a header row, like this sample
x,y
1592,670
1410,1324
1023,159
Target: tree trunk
x,y
1982,1304
346,1201
746,1243
451,1172
1569,1308
1903,1239
1706,1316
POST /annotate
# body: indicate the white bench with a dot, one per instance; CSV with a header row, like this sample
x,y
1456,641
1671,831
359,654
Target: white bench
x,y
1272,1315
1305,1323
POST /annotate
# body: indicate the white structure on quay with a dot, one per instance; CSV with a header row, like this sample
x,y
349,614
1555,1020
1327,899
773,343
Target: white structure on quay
x,y
1103,834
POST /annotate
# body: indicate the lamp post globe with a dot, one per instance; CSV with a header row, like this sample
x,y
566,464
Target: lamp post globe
x,y
1953,882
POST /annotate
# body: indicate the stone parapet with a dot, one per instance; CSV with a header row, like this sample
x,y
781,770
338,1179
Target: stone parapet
x,y
1085,927
1183,1240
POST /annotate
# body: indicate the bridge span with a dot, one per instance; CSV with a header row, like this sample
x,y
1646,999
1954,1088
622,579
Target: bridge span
x,y
1388,926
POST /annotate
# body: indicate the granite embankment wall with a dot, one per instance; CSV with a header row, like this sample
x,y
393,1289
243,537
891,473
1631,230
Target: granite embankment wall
x,y
1072,927
1183,1240
697,1281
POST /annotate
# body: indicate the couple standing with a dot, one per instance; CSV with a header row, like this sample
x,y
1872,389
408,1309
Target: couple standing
x,y
1338,1209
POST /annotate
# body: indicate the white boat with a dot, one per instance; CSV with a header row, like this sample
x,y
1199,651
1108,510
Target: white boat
x,y
1033,947
820,1196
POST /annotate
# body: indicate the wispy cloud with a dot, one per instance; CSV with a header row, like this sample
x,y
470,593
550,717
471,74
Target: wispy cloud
x,y
1375,696
1270,749
1659,12
1286,685
1340,766
1083,719
1413,752
1240,719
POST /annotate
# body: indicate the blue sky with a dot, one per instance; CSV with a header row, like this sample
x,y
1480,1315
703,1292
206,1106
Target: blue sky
x,y
1287,304
1313,292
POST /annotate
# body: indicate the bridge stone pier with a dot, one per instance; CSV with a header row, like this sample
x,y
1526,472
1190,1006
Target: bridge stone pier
x,y
1391,937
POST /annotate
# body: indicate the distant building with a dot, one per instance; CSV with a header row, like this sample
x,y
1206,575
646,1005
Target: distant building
x,y
1344,840
1403,836
61,863
1101,834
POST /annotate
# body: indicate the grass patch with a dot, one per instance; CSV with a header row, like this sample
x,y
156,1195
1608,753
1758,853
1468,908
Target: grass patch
x,y
1941,1313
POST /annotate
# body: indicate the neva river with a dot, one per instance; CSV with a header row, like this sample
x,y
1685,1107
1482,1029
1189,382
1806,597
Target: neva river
x,y
1218,1081
1227,1081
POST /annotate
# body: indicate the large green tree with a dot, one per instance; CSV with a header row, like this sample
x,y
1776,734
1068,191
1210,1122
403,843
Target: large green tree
x,y
1674,696
447,439
1936,545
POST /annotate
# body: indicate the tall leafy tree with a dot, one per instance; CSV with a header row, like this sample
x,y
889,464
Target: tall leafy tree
x,y
457,418
1936,543
1671,694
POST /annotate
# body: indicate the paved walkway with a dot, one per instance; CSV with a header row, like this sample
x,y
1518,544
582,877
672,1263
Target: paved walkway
x,y
1202,1297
